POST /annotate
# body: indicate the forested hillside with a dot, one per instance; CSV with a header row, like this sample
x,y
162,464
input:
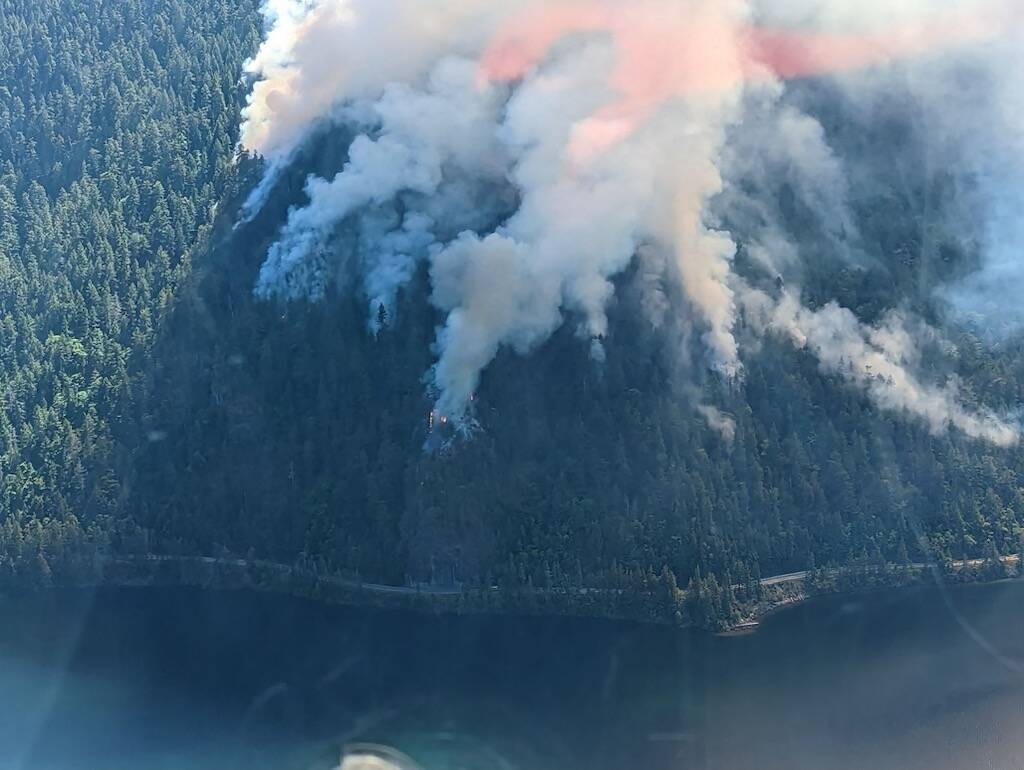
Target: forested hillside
x,y
153,404
118,122
308,434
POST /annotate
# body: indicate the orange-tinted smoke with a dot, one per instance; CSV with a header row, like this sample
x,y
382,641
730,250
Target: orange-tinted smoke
x,y
790,54
669,50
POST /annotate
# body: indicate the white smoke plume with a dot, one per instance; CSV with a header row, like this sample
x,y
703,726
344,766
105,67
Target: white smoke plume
x,y
970,98
528,151
878,359
720,422
594,185
991,298
425,138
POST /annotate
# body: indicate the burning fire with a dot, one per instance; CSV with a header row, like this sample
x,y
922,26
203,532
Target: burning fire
x,y
434,419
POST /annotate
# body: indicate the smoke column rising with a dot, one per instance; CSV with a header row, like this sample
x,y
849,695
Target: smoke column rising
x,y
528,152
879,360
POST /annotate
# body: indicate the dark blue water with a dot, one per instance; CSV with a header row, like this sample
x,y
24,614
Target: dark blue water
x,y
166,678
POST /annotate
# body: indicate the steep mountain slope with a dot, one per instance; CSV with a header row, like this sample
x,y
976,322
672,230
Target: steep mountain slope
x,y
155,403
294,430
117,129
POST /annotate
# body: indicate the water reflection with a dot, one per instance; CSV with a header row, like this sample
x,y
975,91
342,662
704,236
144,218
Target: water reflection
x,y
160,678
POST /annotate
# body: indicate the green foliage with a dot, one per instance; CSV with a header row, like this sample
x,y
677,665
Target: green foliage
x,y
117,129
151,404
296,431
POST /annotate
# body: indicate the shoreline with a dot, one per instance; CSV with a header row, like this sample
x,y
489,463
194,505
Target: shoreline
x,y
914,576
776,593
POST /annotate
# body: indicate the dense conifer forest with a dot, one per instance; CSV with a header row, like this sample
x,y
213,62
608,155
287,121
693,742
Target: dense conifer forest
x,y
153,405
117,129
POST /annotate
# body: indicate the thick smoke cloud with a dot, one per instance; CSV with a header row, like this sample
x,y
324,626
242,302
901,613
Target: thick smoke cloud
x,y
426,142
991,298
528,152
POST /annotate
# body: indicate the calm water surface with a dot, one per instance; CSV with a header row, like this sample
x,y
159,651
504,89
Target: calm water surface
x,y
150,679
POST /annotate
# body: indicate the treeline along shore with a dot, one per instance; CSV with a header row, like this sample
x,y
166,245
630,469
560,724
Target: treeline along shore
x,y
653,598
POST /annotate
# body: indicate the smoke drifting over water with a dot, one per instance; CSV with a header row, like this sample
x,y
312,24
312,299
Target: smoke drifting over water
x,y
528,152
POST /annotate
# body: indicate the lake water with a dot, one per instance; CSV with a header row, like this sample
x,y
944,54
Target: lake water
x,y
150,679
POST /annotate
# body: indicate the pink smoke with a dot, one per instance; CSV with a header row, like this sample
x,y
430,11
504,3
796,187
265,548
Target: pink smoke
x,y
668,51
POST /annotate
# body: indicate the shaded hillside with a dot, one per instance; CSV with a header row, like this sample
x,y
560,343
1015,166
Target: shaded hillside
x,y
153,404
292,429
